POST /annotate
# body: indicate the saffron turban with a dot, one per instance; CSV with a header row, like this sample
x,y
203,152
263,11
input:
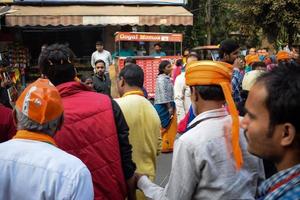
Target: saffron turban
x,y
218,73
251,59
283,55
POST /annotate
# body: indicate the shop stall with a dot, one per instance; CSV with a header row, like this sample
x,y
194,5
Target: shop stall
x,y
148,63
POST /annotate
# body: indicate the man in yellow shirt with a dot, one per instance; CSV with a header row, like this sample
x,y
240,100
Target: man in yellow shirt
x,y
142,119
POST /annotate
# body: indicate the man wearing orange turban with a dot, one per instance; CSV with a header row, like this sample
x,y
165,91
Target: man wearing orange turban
x,y
210,162
283,56
250,59
229,52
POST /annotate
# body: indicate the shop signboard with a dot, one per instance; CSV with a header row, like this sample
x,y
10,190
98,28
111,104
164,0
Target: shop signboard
x,y
157,2
148,37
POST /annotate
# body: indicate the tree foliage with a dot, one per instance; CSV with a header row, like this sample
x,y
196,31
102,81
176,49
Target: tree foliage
x,y
220,21
278,19
221,25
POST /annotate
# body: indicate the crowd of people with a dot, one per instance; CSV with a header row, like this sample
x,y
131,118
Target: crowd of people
x,y
232,125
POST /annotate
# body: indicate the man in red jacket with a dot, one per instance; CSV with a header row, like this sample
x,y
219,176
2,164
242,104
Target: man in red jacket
x,y
94,128
7,125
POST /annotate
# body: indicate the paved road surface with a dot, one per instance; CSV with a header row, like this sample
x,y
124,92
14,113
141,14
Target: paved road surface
x,y
163,169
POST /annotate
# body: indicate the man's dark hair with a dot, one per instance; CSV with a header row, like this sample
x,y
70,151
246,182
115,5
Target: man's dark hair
x,y
186,49
193,54
162,66
283,94
130,60
157,44
227,47
210,92
83,78
100,61
255,65
99,43
179,62
56,62
133,75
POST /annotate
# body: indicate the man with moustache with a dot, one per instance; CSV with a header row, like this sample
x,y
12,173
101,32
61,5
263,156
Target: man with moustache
x,y
273,130
208,162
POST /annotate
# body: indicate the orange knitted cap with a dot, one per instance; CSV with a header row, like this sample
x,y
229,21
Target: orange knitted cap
x,y
283,55
251,59
40,102
218,73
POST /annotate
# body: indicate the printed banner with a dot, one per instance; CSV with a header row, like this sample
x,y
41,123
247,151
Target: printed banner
x,y
148,37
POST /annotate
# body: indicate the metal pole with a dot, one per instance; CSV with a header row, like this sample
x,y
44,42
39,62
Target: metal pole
x,y
181,48
119,48
174,48
208,21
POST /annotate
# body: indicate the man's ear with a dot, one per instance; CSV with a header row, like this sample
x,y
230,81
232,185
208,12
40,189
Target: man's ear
x,y
288,134
226,56
192,88
122,82
194,93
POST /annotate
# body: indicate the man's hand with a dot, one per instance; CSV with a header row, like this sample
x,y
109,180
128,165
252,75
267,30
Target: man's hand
x,y
131,187
171,111
138,177
237,63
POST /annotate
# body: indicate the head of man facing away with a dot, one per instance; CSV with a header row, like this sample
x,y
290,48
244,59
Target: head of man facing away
x,y
56,63
39,108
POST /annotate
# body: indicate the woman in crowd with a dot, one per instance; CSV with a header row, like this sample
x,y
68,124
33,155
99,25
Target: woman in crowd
x,y
165,106
87,81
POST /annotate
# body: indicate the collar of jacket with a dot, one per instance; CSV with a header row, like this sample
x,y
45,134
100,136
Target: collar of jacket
x,y
69,88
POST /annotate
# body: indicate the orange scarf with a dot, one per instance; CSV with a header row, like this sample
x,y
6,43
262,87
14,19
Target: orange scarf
x,y
251,59
137,92
218,73
283,55
28,135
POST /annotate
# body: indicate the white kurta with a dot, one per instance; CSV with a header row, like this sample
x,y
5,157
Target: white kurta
x,y
104,55
182,97
203,166
37,170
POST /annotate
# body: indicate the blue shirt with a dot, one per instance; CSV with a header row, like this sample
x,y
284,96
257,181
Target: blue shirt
x,y
236,83
289,190
38,170
161,53
124,53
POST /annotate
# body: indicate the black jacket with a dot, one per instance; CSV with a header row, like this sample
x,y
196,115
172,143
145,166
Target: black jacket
x,y
102,85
